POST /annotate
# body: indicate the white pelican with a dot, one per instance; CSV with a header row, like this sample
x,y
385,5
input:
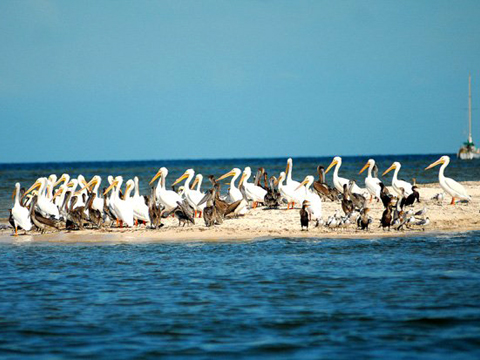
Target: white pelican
x,y
20,214
253,192
123,208
338,181
59,200
398,184
450,186
46,207
51,182
198,181
315,203
193,196
140,208
166,197
288,172
371,183
292,193
234,193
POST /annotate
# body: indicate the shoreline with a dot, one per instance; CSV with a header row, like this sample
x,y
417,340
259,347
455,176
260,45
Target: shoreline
x,y
261,224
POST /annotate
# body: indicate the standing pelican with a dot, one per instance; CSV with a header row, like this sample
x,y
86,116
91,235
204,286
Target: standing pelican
x,y
450,186
293,194
371,183
167,198
123,208
140,207
338,181
253,192
234,193
288,172
20,214
193,197
398,184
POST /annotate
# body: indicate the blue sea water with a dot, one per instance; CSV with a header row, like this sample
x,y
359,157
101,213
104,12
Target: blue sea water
x,y
408,298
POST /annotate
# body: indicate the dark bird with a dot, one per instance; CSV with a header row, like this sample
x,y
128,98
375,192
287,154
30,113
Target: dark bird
x,y
357,199
42,223
347,203
321,187
305,216
94,215
272,198
387,217
184,213
154,210
385,196
364,220
410,199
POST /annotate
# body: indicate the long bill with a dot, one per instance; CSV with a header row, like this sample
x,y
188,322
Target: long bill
x,y
241,179
33,187
224,176
364,168
389,169
438,162
112,185
184,176
304,182
157,175
333,163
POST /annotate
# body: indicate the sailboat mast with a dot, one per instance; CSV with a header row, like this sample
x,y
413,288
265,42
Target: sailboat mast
x,y
470,140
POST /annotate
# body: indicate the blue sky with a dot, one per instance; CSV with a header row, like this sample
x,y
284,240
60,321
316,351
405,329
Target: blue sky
x,y
128,80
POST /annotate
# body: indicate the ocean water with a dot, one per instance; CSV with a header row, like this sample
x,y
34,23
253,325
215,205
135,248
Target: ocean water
x,y
414,297
412,167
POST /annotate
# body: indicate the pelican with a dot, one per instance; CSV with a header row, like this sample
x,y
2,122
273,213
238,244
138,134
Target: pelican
x,y
166,197
123,208
140,208
193,197
97,201
450,186
234,193
51,181
288,172
293,194
198,181
315,203
21,215
59,200
398,184
338,181
371,183
46,207
253,192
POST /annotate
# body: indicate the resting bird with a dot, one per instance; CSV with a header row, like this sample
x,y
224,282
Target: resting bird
x,y
304,215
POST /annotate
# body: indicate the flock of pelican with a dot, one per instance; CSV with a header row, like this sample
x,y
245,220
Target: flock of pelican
x,y
53,203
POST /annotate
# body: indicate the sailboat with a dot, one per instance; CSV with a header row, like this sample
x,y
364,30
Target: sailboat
x,y
468,151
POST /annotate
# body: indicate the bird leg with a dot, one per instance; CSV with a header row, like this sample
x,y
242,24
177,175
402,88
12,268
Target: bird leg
x,y
453,201
200,213
16,231
121,224
136,222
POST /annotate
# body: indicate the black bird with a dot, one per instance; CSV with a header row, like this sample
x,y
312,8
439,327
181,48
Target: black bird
x,y
387,217
154,211
272,198
305,216
410,199
385,196
364,220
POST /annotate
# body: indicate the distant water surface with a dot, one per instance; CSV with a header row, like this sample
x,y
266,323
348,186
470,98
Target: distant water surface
x,y
412,166
413,298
